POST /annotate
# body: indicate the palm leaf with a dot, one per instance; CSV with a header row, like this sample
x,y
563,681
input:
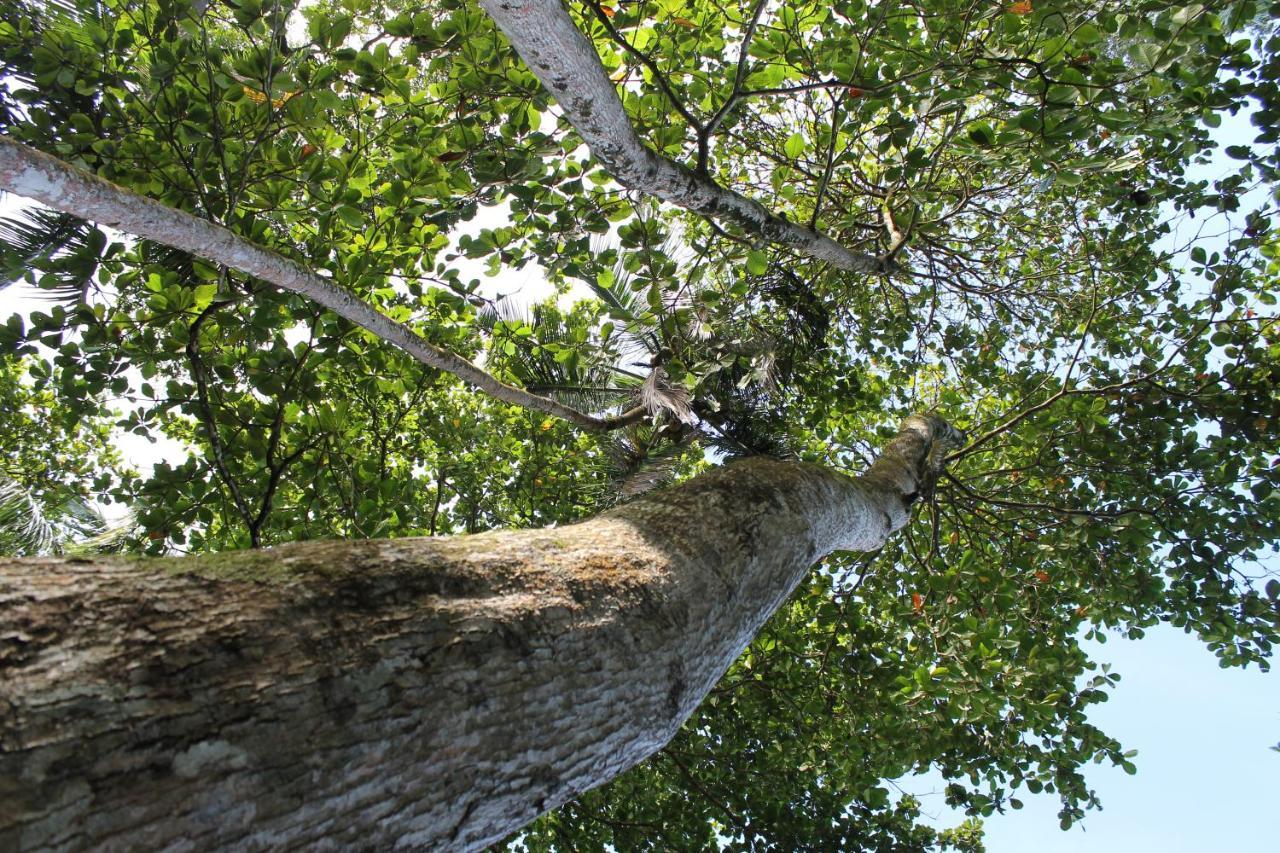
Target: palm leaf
x,y
24,529
642,458
658,396
58,524
62,249
582,381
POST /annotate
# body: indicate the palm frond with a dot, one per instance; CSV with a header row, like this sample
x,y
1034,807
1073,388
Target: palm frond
x,y
24,530
62,249
507,309
632,334
629,306
749,418
642,458
806,319
44,22
737,438
546,359
113,538
174,260
584,398
58,524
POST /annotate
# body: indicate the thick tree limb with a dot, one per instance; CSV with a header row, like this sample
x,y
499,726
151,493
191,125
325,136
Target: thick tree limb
x,y
48,180
562,58
416,693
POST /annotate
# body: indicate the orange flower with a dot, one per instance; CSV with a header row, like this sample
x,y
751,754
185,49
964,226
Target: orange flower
x,y
917,602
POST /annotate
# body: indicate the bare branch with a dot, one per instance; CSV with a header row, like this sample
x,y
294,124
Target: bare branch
x,y
640,56
704,134
48,180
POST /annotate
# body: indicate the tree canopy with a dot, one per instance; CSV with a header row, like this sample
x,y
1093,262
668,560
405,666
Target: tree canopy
x,y
827,215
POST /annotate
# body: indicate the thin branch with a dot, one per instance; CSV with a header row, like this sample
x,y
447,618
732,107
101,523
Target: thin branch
x,y
712,799
211,423
644,59
48,180
704,134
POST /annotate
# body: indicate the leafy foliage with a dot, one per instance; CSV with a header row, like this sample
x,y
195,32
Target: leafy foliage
x,y
1033,169
57,463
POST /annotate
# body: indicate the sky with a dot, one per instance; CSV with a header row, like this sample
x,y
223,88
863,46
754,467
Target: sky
x,y
1207,779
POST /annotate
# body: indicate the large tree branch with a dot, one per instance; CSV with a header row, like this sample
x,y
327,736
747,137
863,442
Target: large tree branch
x,y
414,693
48,180
562,58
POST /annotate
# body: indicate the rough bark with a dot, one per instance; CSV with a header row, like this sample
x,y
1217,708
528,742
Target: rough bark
x,y
48,180
420,693
566,64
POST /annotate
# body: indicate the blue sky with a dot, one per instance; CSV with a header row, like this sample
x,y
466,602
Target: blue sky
x,y
1207,779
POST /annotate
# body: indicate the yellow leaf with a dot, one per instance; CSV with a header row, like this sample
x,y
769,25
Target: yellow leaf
x,y
259,97
684,22
546,425
1022,7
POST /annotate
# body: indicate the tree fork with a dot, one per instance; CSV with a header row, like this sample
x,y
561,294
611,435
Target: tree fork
x,y
427,693
568,67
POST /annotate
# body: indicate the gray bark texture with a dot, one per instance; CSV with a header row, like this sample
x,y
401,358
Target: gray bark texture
x,y
567,65
48,180
417,693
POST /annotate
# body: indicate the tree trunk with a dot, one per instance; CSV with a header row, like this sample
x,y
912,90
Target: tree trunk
x,y
434,693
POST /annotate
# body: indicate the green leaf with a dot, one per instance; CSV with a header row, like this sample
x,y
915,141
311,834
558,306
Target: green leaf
x,y
794,146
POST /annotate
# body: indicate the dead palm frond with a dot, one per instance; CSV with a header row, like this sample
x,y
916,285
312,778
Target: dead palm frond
x,y
659,397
